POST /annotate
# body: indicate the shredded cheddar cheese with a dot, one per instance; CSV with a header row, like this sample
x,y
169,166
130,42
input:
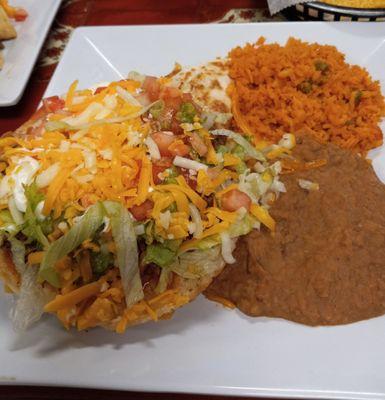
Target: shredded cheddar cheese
x,y
95,148
35,258
73,298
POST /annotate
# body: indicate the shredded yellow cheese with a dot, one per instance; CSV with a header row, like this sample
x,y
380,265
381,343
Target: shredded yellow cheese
x,y
71,93
144,181
35,258
263,216
72,298
54,189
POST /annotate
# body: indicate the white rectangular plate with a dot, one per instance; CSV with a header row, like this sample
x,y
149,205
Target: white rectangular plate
x,y
204,348
21,53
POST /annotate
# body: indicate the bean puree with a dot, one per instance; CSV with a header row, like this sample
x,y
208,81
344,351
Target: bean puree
x,y
325,265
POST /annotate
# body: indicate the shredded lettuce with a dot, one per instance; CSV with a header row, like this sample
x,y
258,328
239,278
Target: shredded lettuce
x,y
239,151
33,228
100,262
18,254
250,150
157,109
31,299
7,223
186,113
222,149
243,227
198,263
171,173
127,251
209,242
150,235
84,229
254,185
159,254
163,280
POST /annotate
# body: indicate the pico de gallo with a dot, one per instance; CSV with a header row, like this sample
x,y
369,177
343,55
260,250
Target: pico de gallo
x,y
107,190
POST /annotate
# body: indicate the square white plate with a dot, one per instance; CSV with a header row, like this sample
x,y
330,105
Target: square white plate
x,y
21,53
204,348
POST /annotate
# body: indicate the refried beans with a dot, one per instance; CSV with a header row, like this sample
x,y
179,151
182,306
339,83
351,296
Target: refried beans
x,y
325,264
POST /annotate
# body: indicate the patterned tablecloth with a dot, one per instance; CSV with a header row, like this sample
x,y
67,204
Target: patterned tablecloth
x,y
74,13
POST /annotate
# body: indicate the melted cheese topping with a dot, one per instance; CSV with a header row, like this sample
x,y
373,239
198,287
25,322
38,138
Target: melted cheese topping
x,y
208,84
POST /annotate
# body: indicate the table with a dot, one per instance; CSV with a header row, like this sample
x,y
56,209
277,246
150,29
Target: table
x,y
75,13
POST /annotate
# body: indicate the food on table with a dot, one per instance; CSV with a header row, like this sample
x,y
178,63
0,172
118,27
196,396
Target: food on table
x,y
357,3
325,263
120,205
279,89
7,30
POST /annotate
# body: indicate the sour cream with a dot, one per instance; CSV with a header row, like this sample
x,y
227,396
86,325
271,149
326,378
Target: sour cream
x,y
22,176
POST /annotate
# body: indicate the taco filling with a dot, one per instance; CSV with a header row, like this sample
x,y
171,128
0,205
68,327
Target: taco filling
x,y
121,204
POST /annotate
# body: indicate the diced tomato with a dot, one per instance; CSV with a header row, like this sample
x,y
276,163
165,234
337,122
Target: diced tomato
x,y
152,87
20,14
188,178
35,130
173,102
50,104
39,113
171,92
175,126
158,167
53,104
234,199
198,144
187,98
178,148
163,141
213,173
99,89
169,145
172,97
143,211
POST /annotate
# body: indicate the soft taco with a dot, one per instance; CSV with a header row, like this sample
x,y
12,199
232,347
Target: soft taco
x,y
121,204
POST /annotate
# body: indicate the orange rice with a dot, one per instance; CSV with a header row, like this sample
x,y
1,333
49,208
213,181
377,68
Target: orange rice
x,y
305,87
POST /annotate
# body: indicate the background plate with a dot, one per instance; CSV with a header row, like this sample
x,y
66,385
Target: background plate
x,y
204,348
21,53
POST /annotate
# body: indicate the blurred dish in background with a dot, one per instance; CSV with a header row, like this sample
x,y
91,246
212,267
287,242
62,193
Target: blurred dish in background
x,y
357,3
338,10
7,30
19,55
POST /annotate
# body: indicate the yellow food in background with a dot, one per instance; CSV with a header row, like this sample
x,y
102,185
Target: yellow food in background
x,y
357,3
